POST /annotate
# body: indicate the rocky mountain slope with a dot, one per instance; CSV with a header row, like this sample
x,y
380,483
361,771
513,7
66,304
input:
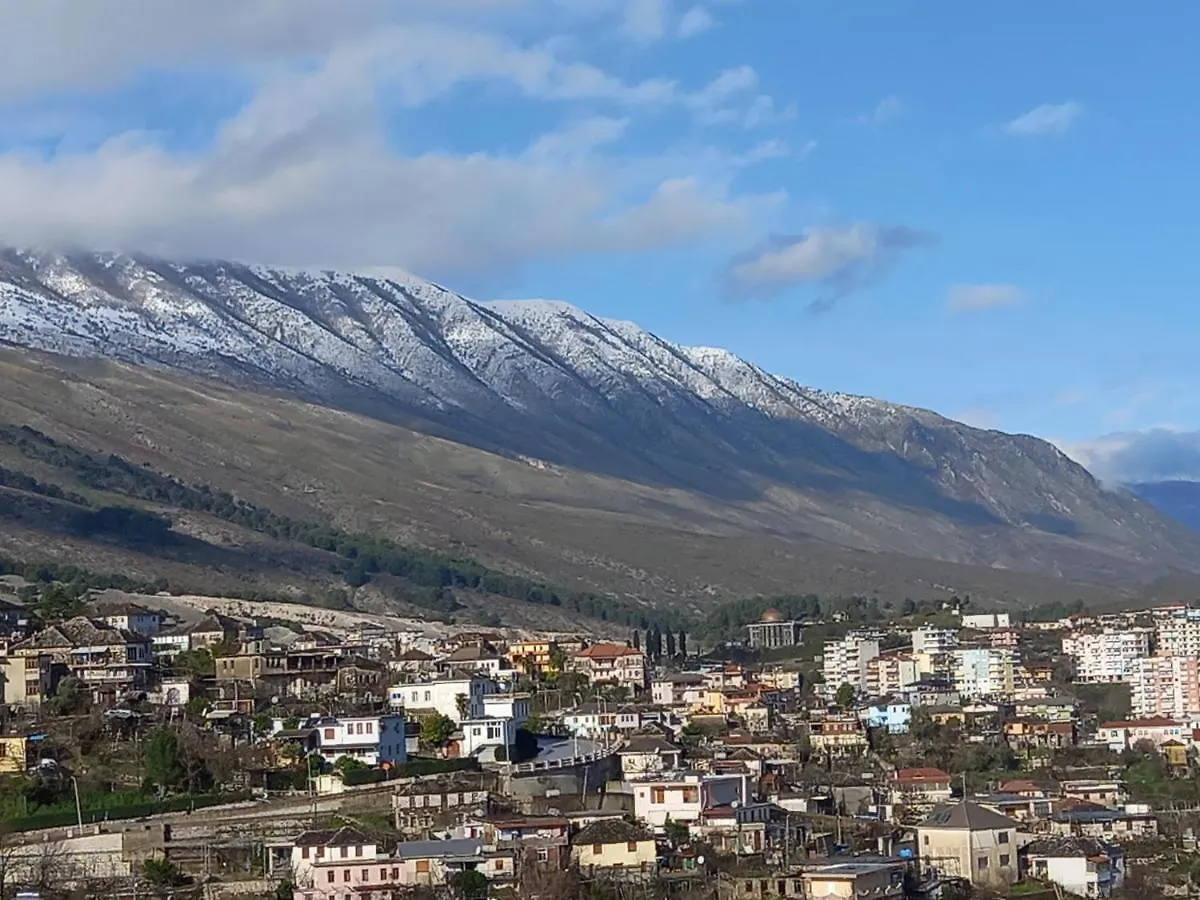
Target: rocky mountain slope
x,y
712,443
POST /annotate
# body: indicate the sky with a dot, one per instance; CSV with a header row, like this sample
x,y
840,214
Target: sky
x,y
983,209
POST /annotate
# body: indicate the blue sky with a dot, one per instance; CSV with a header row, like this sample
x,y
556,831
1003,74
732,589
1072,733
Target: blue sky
x,y
985,210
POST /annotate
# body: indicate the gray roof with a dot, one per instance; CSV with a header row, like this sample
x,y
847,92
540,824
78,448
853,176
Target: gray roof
x,y
967,816
1058,847
438,849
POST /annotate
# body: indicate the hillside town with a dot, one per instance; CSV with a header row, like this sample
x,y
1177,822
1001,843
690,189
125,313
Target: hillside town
x,y
948,753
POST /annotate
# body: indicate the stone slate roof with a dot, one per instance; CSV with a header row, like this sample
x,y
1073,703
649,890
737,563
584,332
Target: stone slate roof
x,y
967,816
612,831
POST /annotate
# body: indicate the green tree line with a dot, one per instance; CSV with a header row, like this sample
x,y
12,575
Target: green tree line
x,y
362,557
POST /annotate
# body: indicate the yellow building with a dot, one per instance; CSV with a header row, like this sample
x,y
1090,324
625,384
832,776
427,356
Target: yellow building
x,y
535,655
12,755
614,844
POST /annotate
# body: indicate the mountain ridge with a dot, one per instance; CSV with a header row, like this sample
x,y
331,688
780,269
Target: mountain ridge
x,y
555,387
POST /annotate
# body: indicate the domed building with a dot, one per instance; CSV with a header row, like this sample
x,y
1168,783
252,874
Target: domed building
x,y
772,631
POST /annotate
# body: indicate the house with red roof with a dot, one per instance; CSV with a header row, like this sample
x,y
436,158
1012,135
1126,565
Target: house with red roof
x,y
919,789
608,663
1157,730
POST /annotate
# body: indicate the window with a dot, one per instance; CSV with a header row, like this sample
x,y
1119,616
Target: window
x,y
422,867
395,874
329,876
691,795
358,850
371,728
1004,859
597,849
543,854
982,863
426,696
343,852
304,853
1003,837
926,840
499,865
365,875
658,795
631,846
329,734
345,874
383,874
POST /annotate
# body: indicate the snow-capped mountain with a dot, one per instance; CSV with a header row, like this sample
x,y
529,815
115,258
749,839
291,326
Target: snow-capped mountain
x,y
546,382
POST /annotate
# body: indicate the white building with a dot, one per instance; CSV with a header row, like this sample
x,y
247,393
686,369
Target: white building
x,y
933,641
1178,631
846,661
455,697
1106,656
503,716
891,672
371,740
683,796
982,671
985,621
1085,867
679,689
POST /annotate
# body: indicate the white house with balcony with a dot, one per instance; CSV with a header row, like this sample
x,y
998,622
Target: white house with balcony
x,y
503,716
457,697
683,796
372,740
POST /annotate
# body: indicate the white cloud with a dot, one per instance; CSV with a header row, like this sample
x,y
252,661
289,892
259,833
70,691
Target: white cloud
x,y
53,45
579,139
645,20
303,175
888,108
1047,119
1157,454
979,297
836,260
695,21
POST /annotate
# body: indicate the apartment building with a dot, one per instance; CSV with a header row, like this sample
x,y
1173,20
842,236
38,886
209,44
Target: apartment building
x,y
1177,631
933,641
846,661
1157,731
1166,686
1107,656
890,673
982,671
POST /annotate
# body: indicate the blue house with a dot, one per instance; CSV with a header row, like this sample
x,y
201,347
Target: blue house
x,y
894,715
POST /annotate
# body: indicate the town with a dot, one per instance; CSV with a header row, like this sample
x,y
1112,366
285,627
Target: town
x,y
156,749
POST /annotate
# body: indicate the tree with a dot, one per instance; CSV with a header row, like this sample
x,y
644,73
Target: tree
x,y
162,872
558,659
844,696
683,643
670,644
436,730
677,832
346,764
469,885
462,703
637,640
163,765
68,698
195,663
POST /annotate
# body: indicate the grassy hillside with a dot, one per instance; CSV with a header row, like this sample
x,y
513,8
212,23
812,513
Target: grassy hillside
x,y
285,461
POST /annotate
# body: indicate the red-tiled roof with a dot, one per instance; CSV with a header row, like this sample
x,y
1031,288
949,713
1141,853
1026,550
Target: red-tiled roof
x,y
911,776
606,651
1155,722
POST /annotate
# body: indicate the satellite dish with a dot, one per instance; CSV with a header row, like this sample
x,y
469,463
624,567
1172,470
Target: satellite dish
x,y
700,860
